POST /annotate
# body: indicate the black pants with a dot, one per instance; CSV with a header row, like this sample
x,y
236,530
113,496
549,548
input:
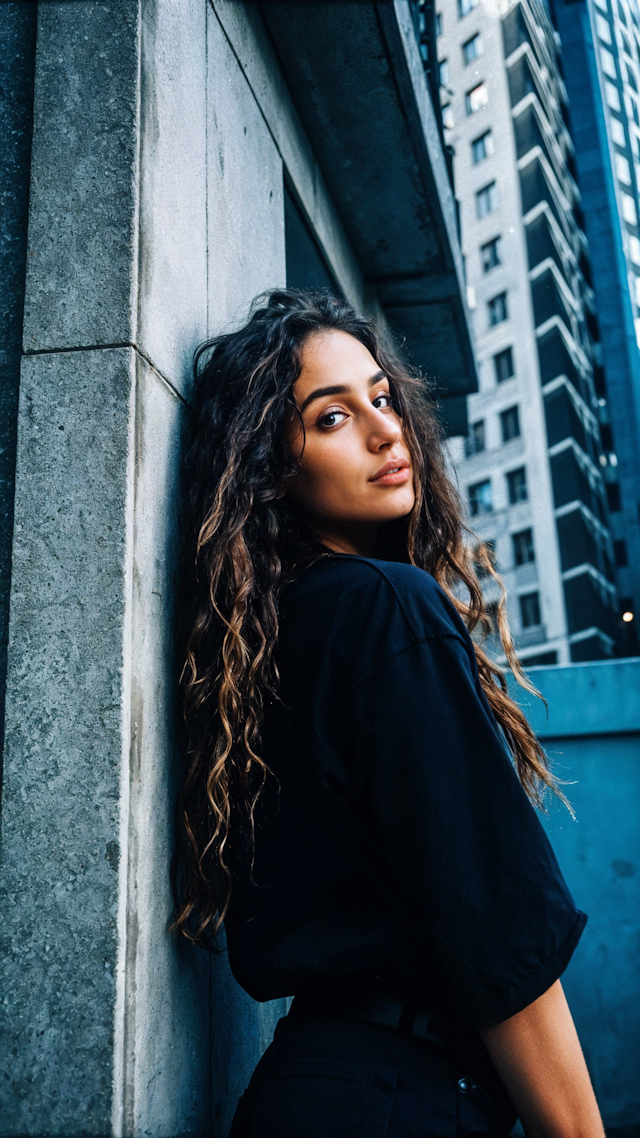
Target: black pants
x,y
328,1078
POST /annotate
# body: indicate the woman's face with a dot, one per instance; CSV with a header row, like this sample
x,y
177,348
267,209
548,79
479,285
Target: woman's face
x,y
355,471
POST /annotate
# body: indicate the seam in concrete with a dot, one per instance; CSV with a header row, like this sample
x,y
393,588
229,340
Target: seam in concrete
x,y
110,347
76,348
122,1075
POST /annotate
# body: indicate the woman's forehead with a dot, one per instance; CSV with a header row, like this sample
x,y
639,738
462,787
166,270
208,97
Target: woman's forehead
x,y
333,356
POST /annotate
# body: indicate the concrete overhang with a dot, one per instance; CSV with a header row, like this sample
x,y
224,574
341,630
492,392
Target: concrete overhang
x,y
356,77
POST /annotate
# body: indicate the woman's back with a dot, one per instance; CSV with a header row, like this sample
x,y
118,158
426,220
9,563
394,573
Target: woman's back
x,y
394,846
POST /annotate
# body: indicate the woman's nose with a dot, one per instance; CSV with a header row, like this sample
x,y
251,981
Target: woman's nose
x,y
384,430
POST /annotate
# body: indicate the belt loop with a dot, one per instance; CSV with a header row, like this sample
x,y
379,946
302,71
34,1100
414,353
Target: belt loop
x,y
407,1017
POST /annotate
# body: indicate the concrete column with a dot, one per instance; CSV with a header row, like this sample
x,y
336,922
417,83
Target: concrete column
x,y
107,1021
17,61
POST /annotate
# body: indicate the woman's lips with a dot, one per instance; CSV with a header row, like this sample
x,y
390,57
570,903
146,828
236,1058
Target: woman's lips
x,y
393,473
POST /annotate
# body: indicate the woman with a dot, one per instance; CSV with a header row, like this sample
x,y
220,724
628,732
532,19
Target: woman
x,y
355,807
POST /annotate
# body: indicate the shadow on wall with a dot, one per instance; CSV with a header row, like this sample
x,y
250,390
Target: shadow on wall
x,y
241,1030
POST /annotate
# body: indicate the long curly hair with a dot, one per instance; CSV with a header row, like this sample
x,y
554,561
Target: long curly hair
x,y
242,542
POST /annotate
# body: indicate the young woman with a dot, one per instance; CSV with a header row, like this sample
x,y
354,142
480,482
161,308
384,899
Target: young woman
x,y
356,807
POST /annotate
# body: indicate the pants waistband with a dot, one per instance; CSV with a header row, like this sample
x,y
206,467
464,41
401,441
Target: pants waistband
x,y
378,1009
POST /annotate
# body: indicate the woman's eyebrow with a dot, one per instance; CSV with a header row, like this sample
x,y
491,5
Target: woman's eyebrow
x,y
337,389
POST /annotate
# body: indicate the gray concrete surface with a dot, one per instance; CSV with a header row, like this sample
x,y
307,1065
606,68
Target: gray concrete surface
x,y
82,220
17,67
63,752
246,202
171,296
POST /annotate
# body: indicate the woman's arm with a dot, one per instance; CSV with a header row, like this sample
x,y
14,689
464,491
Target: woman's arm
x,y
538,1056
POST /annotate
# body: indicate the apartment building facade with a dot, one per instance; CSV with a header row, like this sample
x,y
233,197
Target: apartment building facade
x,y
531,467
600,51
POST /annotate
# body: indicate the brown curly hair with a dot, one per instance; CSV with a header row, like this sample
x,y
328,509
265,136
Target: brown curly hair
x,y
242,542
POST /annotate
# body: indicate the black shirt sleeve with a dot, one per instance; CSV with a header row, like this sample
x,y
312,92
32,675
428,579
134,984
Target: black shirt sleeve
x,y
457,832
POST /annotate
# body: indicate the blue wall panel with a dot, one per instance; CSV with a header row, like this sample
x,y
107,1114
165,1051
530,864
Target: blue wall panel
x,y
592,737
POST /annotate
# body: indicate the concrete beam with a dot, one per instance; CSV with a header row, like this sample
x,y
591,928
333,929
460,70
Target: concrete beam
x,y
382,136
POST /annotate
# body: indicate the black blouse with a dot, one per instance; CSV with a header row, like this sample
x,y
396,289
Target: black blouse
x,y
395,845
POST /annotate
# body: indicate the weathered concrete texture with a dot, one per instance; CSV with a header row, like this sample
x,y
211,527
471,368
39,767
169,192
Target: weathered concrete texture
x,y
82,232
162,1021
246,200
63,750
244,28
172,290
17,64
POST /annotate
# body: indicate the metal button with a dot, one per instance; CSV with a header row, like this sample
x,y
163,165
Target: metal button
x,y
463,1086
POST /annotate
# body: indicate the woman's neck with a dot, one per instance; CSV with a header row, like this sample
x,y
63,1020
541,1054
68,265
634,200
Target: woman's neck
x,y
357,541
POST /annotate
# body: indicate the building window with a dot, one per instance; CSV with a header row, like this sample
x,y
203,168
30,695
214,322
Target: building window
x,y
631,79
438,23
475,441
629,209
443,72
465,6
482,147
617,132
620,554
634,249
622,169
613,497
529,609
448,119
612,96
498,309
517,486
608,63
510,423
503,365
491,254
603,29
472,49
480,501
487,200
477,98
523,551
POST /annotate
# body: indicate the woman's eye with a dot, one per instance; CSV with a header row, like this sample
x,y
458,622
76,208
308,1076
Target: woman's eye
x,y
383,400
332,418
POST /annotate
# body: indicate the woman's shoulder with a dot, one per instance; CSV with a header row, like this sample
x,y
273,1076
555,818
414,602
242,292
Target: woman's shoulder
x,y
388,594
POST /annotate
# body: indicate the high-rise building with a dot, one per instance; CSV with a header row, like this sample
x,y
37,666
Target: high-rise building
x,y
600,51
531,467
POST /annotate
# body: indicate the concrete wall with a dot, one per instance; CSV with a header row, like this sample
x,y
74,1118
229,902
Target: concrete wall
x,y
592,736
17,64
141,242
